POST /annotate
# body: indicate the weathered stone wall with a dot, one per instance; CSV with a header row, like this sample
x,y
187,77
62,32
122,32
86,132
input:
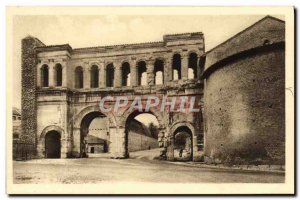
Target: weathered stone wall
x,y
28,73
51,114
244,98
244,109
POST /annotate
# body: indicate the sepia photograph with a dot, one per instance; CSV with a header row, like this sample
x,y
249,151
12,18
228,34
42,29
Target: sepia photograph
x,y
150,100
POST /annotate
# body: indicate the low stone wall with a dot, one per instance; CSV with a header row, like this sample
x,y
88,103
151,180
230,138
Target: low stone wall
x,y
137,141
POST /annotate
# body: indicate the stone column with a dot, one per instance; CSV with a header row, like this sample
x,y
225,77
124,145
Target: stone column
x,y
168,72
102,75
122,151
198,68
118,146
118,75
100,71
195,148
51,74
170,149
133,71
184,66
64,148
38,75
76,142
86,76
66,144
161,136
150,72
41,148
64,74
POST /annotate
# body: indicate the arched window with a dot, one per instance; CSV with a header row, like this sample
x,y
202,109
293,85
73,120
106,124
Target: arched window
x,y
45,76
159,72
110,75
125,74
193,66
58,74
94,76
79,77
142,73
176,67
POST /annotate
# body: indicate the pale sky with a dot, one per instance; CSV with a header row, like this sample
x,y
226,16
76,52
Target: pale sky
x,y
88,31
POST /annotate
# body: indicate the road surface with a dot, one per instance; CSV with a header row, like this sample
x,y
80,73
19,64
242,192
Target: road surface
x,y
97,170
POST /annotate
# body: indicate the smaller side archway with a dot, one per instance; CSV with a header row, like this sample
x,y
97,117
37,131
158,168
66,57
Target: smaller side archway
x,y
52,144
49,143
182,141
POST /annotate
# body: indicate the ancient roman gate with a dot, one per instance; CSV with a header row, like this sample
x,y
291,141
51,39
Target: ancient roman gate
x,y
61,89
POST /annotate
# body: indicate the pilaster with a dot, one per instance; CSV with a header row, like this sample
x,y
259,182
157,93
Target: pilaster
x,y
86,76
150,72
184,66
133,72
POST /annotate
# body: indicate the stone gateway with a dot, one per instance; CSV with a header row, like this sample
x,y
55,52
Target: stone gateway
x,y
238,87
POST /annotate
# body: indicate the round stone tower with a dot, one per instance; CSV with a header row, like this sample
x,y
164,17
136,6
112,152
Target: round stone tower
x,y
244,97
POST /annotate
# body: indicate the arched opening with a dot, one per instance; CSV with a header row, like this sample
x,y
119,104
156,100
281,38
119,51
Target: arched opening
x,y
141,135
94,76
52,144
94,134
79,77
125,74
141,73
58,75
45,76
193,66
176,67
110,75
159,72
183,144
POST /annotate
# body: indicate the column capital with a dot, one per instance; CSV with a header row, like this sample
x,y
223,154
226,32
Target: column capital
x,y
51,65
184,55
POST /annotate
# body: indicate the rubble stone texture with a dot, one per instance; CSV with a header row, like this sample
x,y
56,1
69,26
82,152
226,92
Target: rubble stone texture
x,y
29,109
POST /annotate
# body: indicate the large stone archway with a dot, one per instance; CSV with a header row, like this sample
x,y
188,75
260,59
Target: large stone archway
x,y
129,115
86,110
82,119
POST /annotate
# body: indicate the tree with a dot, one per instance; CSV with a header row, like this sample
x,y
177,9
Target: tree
x,y
153,130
